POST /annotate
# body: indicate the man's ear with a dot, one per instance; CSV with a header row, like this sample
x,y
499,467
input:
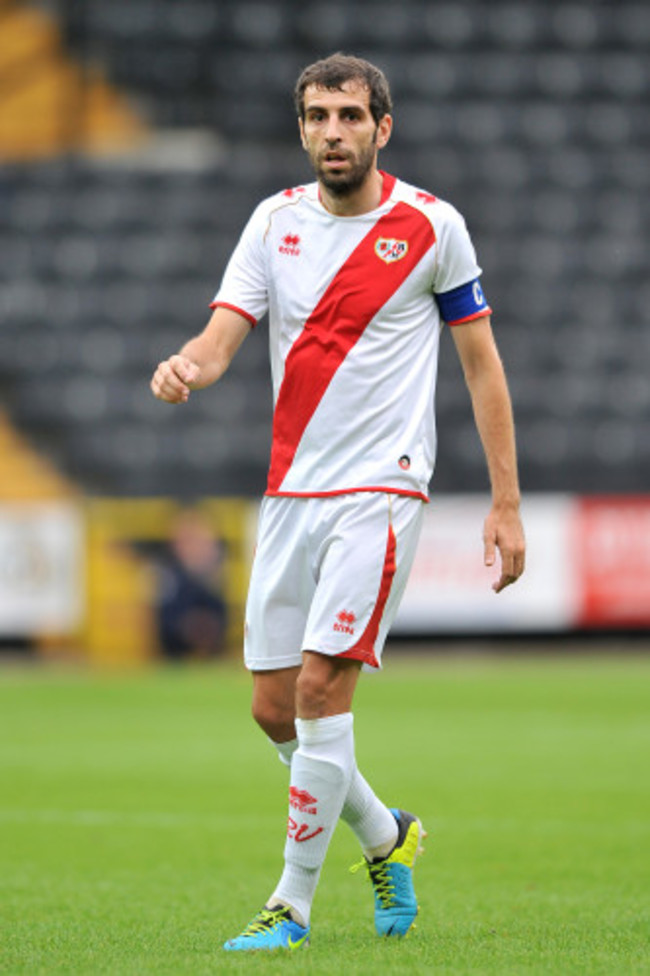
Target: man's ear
x,y
384,130
302,133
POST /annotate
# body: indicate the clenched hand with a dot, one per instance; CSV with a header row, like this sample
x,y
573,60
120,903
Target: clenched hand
x,y
173,379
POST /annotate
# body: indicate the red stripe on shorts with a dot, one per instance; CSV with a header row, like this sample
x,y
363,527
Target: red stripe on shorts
x,y
360,288
364,649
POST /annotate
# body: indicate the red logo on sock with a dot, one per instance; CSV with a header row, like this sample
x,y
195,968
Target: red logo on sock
x,y
302,800
301,833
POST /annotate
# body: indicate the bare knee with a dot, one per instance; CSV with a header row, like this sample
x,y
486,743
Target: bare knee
x,y
311,694
277,722
325,685
273,705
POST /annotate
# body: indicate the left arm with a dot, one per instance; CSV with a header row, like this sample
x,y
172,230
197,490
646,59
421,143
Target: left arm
x,y
486,381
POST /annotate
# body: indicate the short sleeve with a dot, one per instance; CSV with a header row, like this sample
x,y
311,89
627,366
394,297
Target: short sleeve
x,y
244,286
456,261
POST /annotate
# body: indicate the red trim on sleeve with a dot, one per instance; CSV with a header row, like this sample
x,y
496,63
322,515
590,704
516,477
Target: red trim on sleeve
x,y
364,649
234,308
471,318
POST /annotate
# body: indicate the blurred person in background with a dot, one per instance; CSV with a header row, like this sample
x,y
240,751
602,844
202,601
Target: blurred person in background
x,y
357,271
190,609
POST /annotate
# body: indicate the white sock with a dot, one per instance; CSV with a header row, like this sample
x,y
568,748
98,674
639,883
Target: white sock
x,y
301,882
320,777
285,750
296,889
371,821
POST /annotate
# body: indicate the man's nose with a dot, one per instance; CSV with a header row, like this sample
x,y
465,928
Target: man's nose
x,y
332,133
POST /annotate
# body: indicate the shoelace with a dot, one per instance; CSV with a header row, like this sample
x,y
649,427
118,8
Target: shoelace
x,y
381,880
265,920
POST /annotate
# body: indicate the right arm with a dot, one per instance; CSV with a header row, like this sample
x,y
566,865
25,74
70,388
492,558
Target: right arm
x,y
202,360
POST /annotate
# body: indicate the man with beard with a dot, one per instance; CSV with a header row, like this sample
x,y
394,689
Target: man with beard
x,y
356,271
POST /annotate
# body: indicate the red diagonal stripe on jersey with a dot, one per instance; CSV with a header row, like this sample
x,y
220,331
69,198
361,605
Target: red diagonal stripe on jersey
x,y
357,292
364,649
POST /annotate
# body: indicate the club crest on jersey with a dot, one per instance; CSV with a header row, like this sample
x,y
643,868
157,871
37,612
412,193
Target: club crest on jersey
x,y
389,249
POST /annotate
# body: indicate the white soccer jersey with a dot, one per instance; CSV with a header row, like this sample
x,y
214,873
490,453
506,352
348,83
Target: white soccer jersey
x,y
354,323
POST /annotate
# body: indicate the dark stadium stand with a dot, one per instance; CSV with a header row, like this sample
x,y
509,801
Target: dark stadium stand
x,y
532,118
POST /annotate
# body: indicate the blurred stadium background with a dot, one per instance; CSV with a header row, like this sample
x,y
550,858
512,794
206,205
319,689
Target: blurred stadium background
x,y
135,138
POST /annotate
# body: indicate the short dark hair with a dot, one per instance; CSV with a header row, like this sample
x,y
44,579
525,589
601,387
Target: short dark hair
x,y
333,72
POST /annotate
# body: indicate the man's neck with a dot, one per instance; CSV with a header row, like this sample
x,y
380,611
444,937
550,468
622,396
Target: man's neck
x,y
366,198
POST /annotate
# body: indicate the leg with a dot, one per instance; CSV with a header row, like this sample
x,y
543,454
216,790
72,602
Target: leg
x,y
321,761
325,685
322,686
354,562
274,702
322,767
391,839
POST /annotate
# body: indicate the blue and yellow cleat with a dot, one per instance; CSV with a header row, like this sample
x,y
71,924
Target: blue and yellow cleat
x,y
392,878
272,928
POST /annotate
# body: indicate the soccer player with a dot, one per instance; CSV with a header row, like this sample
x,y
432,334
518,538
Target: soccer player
x,y
356,271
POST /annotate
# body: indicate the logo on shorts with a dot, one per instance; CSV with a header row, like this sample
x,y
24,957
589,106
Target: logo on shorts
x,y
404,462
290,244
344,622
389,249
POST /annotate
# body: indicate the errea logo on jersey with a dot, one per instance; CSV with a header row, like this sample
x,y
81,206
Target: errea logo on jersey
x,y
389,249
290,244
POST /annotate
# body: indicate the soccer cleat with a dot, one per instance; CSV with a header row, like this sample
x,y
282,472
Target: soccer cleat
x,y
272,928
392,878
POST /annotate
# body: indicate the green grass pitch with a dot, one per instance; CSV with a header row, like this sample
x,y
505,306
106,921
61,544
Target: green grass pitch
x,y
142,820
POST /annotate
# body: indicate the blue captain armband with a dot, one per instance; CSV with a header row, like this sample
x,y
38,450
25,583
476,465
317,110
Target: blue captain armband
x,y
462,304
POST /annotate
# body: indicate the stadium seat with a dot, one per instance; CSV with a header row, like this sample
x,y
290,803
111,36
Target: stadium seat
x,y
531,118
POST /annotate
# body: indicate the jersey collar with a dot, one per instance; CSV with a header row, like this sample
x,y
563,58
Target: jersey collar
x,y
387,187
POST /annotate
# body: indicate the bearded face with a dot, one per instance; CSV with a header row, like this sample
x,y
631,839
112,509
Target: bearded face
x,y
343,171
341,136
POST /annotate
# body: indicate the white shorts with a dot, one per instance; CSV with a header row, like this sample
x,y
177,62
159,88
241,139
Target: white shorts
x,y
328,576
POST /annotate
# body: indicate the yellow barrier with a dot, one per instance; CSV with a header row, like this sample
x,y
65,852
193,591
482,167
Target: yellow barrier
x,y
120,625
